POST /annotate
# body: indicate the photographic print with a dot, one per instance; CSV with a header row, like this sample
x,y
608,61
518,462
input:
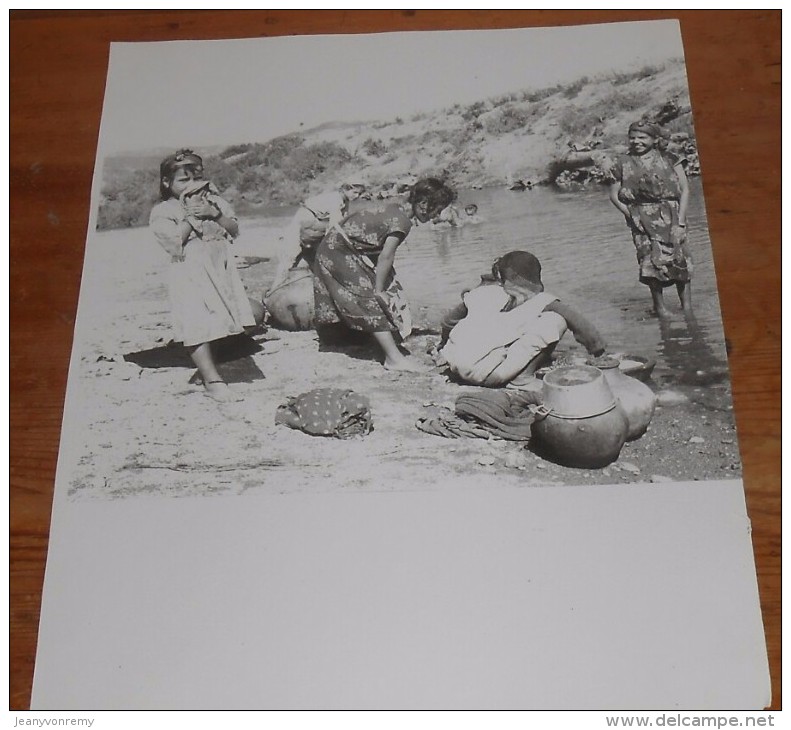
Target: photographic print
x,y
540,158
430,286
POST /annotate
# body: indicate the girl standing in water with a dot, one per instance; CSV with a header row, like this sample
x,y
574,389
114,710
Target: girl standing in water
x,y
196,227
649,186
354,281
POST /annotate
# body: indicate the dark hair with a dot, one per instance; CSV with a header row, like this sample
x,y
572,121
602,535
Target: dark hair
x,y
436,194
517,265
168,167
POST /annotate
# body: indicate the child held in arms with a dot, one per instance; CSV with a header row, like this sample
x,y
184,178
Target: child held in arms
x,y
506,328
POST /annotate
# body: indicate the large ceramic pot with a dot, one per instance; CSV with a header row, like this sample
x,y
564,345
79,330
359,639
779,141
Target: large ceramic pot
x,y
581,423
637,399
290,305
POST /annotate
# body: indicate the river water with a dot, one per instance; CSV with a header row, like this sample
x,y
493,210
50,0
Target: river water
x,y
588,260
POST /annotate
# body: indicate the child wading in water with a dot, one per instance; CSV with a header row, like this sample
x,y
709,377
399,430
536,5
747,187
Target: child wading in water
x,y
196,227
650,189
507,328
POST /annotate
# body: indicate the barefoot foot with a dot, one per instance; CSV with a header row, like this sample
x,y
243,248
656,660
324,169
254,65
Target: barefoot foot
x,y
218,390
404,365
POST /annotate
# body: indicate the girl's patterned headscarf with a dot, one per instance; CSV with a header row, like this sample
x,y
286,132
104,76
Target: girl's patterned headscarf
x,y
653,129
168,167
182,158
647,127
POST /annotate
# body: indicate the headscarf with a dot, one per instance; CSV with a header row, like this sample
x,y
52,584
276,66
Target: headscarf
x,y
168,167
653,129
182,158
647,127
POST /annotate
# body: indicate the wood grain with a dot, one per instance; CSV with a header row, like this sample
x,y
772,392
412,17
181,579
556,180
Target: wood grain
x,y
58,64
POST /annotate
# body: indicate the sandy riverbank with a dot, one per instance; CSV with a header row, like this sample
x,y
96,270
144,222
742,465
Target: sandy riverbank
x,y
149,431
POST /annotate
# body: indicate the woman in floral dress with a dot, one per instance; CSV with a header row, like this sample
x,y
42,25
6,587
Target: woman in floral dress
x,y
649,186
354,280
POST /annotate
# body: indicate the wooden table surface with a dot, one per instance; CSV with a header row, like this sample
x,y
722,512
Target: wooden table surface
x,y
58,64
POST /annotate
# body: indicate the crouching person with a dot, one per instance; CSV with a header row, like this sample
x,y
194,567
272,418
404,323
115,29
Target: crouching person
x,y
506,328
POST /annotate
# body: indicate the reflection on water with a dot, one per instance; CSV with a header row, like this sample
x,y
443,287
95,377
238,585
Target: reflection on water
x,y
588,260
684,348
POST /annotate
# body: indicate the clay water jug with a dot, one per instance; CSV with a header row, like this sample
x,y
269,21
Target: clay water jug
x,y
290,305
580,423
637,399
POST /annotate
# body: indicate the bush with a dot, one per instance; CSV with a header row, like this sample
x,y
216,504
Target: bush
x,y
572,90
127,198
541,94
504,99
374,147
279,171
473,111
510,119
236,149
645,72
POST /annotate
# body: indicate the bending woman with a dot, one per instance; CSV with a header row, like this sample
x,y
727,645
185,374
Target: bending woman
x,y
650,188
354,280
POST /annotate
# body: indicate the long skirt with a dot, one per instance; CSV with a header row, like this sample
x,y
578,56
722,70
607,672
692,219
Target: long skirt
x,y
670,269
343,289
653,223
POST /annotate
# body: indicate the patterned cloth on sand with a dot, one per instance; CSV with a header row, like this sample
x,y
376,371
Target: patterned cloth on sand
x,y
327,412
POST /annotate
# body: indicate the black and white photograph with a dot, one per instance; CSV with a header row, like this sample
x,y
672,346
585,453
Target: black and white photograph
x,y
464,266
499,271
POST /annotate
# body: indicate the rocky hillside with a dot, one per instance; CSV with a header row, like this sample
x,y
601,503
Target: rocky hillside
x,y
554,135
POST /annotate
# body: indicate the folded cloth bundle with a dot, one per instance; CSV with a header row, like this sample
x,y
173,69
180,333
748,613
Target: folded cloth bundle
x,y
327,412
485,414
444,422
504,413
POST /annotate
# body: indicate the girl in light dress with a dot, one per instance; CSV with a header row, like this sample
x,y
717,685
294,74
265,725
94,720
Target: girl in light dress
x,y
196,226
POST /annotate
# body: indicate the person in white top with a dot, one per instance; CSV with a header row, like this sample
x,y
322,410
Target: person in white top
x,y
309,225
506,328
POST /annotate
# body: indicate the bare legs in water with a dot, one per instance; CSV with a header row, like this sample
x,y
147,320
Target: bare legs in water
x,y
684,290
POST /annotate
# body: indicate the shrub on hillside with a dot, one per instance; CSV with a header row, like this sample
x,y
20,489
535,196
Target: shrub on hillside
x,y
573,89
510,118
127,198
473,111
645,72
235,149
374,147
279,171
576,122
541,94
